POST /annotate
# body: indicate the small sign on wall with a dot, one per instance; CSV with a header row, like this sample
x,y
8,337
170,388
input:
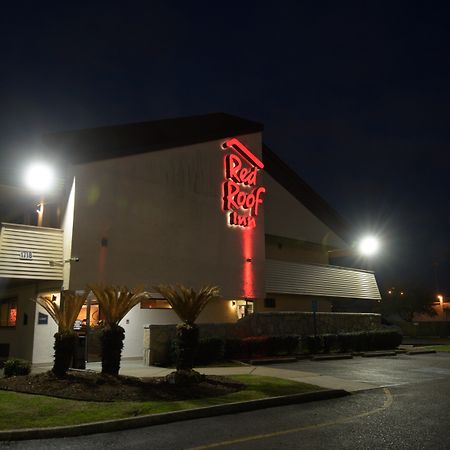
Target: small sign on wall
x,y
42,319
26,254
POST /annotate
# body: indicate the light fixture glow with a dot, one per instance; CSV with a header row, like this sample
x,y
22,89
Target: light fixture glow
x,y
369,246
39,177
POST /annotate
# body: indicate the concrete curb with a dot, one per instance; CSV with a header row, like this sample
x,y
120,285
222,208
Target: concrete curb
x,y
378,353
265,361
159,419
420,352
331,357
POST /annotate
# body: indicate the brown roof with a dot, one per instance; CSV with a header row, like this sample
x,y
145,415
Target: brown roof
x,y
81,146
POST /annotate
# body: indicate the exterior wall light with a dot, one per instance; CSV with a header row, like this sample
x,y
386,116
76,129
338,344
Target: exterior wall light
x,y
39,177
369,246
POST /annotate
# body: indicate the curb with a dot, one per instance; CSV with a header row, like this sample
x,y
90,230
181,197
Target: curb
x,y
375,353
262,362
420,352
163,418
331,357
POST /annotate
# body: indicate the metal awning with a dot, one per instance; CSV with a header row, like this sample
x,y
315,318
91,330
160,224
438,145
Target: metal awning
x,y
320,280
30,252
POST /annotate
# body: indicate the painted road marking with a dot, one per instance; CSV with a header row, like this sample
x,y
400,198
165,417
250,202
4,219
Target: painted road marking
x,y
386,404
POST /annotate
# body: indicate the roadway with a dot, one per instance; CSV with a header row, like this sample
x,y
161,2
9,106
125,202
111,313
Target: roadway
x,y
408,409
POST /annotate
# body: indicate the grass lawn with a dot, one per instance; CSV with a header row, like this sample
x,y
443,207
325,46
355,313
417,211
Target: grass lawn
x,y
439,348
35,411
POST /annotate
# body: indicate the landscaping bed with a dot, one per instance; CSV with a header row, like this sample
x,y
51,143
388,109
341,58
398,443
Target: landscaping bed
x,y
93,386
19,410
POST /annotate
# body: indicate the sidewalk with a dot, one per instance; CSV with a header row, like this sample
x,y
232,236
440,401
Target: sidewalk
x,y
410,340
136,368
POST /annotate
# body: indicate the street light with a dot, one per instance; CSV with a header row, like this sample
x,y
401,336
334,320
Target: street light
x,y
39,178
369,246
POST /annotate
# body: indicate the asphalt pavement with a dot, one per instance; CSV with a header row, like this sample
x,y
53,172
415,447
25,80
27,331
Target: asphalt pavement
x,y
406,407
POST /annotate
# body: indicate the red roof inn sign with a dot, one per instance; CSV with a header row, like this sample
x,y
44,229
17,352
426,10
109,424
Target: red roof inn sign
x,y
241,196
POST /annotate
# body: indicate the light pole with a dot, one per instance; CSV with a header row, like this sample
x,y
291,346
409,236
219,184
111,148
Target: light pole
x,y
369,246
39,178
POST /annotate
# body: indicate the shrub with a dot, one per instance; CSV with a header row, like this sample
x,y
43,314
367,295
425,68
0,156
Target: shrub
x,y
233,348
345,342
255,346
209,350
329,342
312,344
353,341
369,340
16,367
385,339
282,345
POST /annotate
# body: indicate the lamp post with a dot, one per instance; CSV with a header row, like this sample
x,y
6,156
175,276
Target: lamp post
x,y
368,246
39,178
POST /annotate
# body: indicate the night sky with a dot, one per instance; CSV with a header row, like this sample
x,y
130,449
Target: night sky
x,y
355,98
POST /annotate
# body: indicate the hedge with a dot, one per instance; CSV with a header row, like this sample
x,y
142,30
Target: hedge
x,y
355,341
214,349
260,346
209,350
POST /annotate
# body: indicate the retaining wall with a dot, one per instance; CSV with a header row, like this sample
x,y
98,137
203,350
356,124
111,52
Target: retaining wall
x,y
158,338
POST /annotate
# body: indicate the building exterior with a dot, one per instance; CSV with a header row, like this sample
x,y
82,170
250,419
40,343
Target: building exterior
x,y
197,200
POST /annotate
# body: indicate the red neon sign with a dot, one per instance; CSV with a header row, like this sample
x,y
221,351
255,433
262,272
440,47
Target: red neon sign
x,y
241,197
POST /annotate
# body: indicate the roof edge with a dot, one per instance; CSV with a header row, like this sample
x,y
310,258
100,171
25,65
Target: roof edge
x,y
305,194
94,144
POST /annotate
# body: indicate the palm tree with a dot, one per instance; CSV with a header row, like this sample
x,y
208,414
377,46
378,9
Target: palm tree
x,y
64,316
115,302
187,304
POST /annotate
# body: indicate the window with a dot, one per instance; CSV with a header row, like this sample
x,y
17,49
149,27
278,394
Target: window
x,y
269,303
8,312
243,308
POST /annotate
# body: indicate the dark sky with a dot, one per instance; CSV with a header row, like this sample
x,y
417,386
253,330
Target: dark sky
x,y
356,98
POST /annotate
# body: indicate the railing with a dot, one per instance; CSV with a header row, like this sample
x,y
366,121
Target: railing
x,y
30,252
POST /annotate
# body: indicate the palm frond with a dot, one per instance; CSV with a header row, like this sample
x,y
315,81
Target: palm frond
x,y
116,301
185,301
67,312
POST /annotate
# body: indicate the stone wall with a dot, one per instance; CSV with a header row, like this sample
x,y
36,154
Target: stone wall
x,y
157,338
286,323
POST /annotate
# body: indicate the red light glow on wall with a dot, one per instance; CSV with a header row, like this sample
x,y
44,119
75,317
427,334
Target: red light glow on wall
x,y
241,197
248,276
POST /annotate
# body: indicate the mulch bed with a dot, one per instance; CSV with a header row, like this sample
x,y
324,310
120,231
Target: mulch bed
x,y
93,386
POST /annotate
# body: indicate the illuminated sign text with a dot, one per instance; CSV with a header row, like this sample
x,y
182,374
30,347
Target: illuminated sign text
x,y
241,197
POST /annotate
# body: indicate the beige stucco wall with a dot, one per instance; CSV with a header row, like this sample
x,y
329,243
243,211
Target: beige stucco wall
x,y
286,216
44,333
160,213
285,302
67,226
291,250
